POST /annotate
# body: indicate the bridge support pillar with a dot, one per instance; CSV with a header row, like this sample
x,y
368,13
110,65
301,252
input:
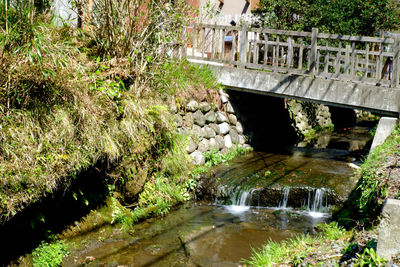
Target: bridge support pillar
x,y
385,128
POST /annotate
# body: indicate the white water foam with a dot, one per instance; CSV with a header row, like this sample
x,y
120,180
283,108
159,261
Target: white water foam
x,y
241,202
285,197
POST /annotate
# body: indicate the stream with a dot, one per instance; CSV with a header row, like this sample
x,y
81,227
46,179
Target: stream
x,y
258,197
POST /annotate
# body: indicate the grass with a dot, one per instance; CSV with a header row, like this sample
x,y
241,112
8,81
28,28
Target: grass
x,y
49,254
63,110
292,251
365,202
214,157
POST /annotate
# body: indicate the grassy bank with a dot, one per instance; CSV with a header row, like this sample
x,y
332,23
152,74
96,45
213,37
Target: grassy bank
x,y
378,180
67,104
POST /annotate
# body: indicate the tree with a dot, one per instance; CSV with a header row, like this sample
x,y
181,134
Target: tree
x,y
361,17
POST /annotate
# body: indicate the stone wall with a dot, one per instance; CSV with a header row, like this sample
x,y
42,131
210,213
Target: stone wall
x,y
307,115
209,127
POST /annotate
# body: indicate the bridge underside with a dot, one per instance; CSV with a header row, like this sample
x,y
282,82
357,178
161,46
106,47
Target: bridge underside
x,y
381,100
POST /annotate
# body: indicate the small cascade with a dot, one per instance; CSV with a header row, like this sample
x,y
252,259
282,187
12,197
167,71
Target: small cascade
x,y
316,204
284,199
241,201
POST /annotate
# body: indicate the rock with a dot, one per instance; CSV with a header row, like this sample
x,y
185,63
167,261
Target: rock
x,y
197,158
205,107
246,146
214,145
197,131
389,230
204,145
215,128
178,120
219,139
192,106
224,128
229,108
192,146
210,117
183,131
208,132
234,136
199,118
228,141
225,150
242,139
239,127
136,184
173,108
188,120
220,117
232,119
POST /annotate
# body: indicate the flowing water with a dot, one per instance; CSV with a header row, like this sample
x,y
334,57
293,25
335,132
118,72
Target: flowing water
x,y
258,197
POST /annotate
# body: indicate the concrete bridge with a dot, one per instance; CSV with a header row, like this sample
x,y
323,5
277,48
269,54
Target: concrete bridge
x,y
348,71
356,72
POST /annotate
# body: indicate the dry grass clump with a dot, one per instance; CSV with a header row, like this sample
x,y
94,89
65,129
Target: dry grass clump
x,y
71,99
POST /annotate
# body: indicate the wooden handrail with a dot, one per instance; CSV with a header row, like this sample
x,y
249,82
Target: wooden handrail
x,y
354,58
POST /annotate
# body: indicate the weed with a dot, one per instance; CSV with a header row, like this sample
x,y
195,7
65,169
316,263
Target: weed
x,y
49,254
294,250
369,258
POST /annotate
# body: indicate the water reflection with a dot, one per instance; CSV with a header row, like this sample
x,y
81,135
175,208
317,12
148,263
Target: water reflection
x,y
199,235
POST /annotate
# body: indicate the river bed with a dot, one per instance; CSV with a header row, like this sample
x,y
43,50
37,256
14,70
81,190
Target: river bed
x,y
208,233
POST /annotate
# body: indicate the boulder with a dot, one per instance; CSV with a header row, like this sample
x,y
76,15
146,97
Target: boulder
x,y
210,117
183,131
197,131
228,141
192,146
219,139
198,158
205,107
229,108
234,136
239,127
232,119
208,132
224,128
220,117
214,145
188,120
242,139
199,118
192,106
178,120
204,145
215,127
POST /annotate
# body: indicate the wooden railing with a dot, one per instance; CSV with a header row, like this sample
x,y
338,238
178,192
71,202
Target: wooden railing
x,y
362,59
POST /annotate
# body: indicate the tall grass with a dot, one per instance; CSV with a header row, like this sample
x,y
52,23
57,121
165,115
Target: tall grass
x,y
293,251
69,100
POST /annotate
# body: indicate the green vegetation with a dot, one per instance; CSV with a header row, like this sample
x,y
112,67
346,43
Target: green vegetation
x,y
49,254
365,202
294,250
355,17
213,158
69,99
312,134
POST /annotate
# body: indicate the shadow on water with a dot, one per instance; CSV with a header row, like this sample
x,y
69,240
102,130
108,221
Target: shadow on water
x,y
52,214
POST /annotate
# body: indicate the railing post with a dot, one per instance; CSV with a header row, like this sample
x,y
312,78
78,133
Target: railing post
x,y
396,62
243,45
313,52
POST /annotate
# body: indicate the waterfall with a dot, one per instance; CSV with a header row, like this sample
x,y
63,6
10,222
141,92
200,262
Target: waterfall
x,y
284,199
316,205
241,201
